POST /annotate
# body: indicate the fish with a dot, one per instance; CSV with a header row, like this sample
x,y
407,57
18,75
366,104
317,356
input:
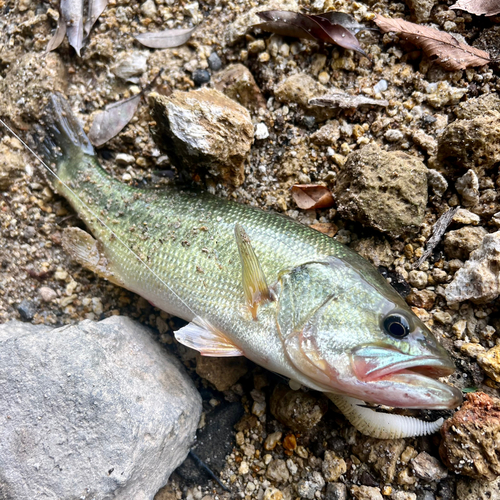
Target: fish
x,y
252,283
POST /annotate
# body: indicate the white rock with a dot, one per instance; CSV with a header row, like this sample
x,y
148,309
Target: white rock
x,y
124,159
467,187
478,280
261,131
148,8
47,294
130,63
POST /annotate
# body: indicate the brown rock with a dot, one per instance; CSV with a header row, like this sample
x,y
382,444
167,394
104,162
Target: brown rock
x,y
25,89
382,454
238,83
221,372
470,144
366,493
421,9
468,489
483,105
384,190
489,361
12,162
471,438
422,298
300,88
428,468
333,466
204,129
298,410
376,250
460,243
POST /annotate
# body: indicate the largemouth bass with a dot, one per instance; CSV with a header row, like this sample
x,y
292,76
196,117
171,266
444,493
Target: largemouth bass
x,y
253,283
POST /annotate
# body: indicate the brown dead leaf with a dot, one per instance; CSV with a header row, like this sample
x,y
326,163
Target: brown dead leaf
x,y
312,196
441,47
322,27
328,228
478,7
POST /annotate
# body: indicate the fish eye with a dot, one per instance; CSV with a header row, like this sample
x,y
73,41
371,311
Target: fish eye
x,y
397,326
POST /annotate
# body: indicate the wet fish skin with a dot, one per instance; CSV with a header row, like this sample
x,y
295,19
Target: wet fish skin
x,y
324,326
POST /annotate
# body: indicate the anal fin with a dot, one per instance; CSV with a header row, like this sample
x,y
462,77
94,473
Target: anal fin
x,y
88,252
206,339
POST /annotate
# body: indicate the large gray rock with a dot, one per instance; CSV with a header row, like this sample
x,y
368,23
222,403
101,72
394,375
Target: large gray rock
x,y
479,279
94,411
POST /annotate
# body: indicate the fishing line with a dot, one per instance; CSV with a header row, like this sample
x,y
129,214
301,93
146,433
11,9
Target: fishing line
x,y
96,216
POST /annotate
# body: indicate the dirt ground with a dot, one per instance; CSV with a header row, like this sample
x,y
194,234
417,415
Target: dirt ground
x,y
40,284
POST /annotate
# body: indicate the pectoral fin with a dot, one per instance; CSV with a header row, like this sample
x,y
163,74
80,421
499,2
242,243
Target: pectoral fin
x,y
203,337
88,252
254,281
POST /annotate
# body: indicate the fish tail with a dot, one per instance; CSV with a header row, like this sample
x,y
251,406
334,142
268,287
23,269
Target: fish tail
x,y
60,139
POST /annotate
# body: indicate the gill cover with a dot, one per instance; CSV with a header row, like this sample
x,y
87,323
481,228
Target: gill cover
x,y
304,291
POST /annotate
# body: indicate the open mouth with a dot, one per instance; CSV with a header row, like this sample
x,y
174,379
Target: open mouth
x,y
372,363
394,378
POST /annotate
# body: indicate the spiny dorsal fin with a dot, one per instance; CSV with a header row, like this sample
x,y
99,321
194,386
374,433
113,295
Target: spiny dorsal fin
x,y
253,279
206,339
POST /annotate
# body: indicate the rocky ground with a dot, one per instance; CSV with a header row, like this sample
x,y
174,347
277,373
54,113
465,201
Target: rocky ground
x,y
394,170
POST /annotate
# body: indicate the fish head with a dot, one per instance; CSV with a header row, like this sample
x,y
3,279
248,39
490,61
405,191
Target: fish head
x,y
343,326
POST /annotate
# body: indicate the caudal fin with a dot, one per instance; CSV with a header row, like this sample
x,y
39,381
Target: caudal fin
x,y
60,137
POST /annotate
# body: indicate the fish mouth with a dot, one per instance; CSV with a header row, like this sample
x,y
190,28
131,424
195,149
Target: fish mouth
x,y
411,380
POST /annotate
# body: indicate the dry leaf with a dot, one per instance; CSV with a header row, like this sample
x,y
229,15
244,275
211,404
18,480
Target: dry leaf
x,y
72,14
95,9
165,39
312,196
328,228
346,101
71,22
345,20
110,122
478,7
58,37
437,45
438,230
319,28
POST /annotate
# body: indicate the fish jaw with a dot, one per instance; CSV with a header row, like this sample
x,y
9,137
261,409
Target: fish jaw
x,y
393,378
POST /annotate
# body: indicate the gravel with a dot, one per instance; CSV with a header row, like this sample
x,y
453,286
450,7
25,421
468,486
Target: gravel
x,y
430,114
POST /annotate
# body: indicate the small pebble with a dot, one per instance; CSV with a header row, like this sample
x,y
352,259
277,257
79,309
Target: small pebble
x,y
27,310
47,294
333,466
214,62
428,468
393,135
261,131
381,86
323,77
272,494
272,440
124,159
336,491
200,76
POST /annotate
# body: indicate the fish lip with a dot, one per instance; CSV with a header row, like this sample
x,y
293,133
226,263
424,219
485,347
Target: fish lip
x,y
431,366
426,365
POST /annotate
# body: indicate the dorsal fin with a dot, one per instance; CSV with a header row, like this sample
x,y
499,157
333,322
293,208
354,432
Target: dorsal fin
x,y
253,278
